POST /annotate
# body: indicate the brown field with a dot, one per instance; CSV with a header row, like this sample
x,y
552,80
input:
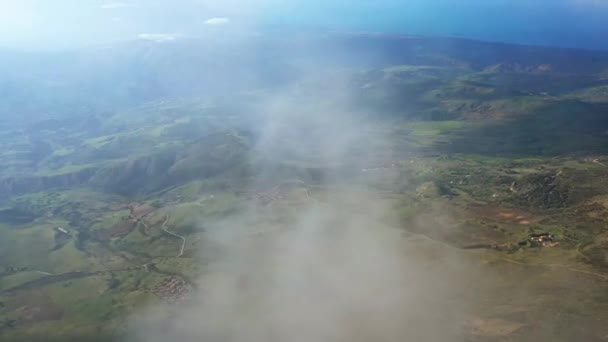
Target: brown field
x,y
505,215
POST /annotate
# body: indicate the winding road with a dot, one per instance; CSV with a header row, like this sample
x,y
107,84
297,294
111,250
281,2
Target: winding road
x,y
181,252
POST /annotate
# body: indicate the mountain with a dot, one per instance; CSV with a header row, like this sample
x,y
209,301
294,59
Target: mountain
x,y
141,177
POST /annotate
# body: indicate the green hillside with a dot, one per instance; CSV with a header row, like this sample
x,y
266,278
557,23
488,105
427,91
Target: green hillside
x,y
132,173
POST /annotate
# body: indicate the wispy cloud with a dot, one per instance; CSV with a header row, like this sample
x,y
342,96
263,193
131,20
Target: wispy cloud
x,y
217,21
159,37
114,5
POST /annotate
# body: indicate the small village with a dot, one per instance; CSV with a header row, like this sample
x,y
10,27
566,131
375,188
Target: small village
x,y
542,240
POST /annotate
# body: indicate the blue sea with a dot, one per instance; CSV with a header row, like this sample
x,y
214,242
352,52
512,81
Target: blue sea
x,y
569,23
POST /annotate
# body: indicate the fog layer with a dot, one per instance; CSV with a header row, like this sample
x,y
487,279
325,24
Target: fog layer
x,y
327,262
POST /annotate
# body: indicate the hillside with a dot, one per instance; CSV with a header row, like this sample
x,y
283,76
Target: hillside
x,y
139,180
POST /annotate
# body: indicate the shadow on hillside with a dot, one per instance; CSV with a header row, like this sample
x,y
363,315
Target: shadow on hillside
x,y
561,128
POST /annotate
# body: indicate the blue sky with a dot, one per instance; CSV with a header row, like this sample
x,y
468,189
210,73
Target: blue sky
x,y
62,23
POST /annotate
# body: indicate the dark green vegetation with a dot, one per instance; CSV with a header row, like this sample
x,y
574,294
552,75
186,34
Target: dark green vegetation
x,y
474,146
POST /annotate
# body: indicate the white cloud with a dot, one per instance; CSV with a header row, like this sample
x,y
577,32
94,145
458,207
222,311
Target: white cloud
x,y
217,21
113,5
159,37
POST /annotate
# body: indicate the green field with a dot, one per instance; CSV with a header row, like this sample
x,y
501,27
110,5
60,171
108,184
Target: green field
x,y
106,212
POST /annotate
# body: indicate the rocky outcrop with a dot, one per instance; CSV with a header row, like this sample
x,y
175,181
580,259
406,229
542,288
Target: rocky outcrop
x,y
541,190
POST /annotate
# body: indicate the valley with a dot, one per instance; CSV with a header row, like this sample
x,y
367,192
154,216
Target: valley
x,y
487,171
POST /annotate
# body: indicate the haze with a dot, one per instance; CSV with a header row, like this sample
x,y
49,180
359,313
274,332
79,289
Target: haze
x,y
303,171
36,24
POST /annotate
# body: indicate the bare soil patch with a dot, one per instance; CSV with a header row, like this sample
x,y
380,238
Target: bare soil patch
x,y
505,215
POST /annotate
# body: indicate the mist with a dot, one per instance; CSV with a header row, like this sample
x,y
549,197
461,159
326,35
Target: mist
x,y
329,261
261,171
42,25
